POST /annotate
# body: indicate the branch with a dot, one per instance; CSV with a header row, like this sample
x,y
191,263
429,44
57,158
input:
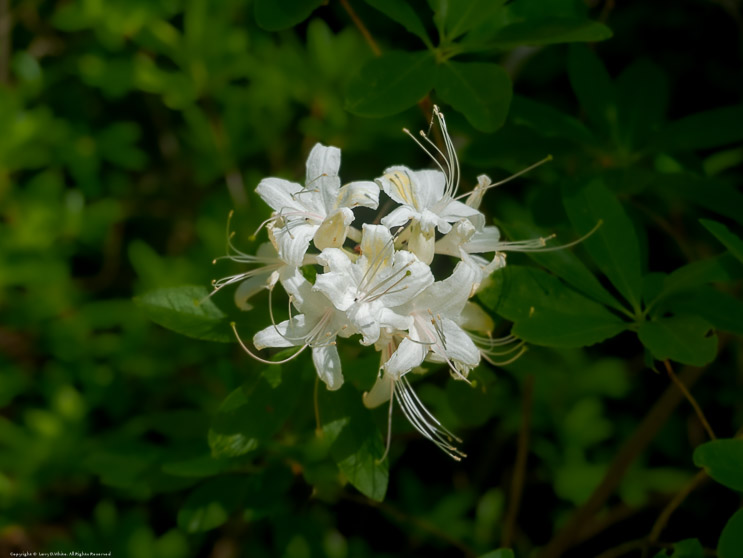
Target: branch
x,y
362,28
690,399
519,467
641,437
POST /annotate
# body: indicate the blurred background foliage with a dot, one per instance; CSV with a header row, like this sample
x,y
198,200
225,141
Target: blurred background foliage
x,y
130,129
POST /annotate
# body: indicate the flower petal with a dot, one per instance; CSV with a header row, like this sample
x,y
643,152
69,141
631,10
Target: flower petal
x,y
323,164
457,345
398,216
248,288
362,193
414,276
407,356
279,194
288,333
293,239
332,232
460,234
428,186
364,317
380,392
328,365
455,211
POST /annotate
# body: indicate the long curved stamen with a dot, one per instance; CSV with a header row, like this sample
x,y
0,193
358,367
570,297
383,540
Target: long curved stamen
x,y
423,421
259,359
547,159
389,425
524,246
517,356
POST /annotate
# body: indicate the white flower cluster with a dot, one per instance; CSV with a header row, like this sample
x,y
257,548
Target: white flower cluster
x,y
375,281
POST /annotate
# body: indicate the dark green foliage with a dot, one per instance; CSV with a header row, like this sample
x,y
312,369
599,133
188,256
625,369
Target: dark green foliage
x,y
130,129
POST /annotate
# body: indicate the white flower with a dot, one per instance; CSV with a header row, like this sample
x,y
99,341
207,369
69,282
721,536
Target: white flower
x,y
316,327
369,289
319,211
428,198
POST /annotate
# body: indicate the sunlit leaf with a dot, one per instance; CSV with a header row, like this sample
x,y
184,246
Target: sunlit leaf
x,y
187,310
547,312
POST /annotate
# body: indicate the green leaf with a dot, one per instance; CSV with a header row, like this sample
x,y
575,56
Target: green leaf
x,y
500,553
250,415
404,14
548,121
550,31
704,130
695,274
710,193
563,263
547,312
391,83
689,548
211,504
642,98
187,310
682,338
614,246
482,92
723,461
722,310
728,239
356,443
275,15
462,16
593,87
730,544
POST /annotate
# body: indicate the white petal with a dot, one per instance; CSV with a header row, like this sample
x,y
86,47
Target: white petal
x,y
391,319
364,317
279,194
455,211
414,277
407,356
293,240
328,365
379,393
486,240
428,186
422,244
397,184
249,288
332,232
457,345
399,216
448,297
377,247
288,333
362,193
323,164
460,234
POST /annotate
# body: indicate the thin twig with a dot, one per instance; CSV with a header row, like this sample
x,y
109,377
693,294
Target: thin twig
x,y
519,467
642,436
671,507
422,524
690,399
6,24
362,28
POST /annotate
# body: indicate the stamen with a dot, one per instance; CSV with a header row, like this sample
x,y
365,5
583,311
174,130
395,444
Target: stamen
x,y
547,159
259,359
508,245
